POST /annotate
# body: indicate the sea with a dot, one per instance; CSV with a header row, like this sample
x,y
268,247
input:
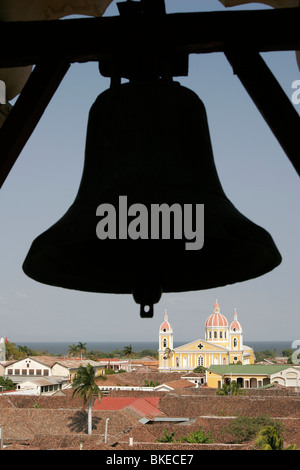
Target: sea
x,y
61,347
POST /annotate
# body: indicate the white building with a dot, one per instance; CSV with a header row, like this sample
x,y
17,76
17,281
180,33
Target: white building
x,y
45,373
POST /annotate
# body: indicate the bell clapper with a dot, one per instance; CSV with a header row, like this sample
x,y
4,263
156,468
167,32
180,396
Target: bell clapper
x,y
146,295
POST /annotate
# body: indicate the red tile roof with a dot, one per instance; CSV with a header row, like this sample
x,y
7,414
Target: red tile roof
x,y
146,406
143,406
113,403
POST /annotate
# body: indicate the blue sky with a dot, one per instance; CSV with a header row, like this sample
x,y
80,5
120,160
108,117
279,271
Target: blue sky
x,y
254,171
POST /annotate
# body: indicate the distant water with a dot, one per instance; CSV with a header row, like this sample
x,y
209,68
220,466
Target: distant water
x,y
62,347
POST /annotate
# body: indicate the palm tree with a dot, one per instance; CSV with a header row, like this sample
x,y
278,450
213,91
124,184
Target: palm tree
x,y
168,352
167,437
73,349
230,389
85,386
81,348
235,388
198,437
127,352
270,438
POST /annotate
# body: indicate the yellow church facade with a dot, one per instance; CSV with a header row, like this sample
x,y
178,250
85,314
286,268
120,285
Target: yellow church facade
x,y
222,345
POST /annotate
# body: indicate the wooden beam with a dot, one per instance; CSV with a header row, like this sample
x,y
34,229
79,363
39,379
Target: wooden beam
x,y
91,39
270,99
27,111
53,45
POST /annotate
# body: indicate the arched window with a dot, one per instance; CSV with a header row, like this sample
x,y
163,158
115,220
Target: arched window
x,y
165,342
215,334
177,361
235,342
210,335
221,334
200,361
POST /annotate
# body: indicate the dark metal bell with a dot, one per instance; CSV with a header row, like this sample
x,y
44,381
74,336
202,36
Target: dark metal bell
x,y
149,141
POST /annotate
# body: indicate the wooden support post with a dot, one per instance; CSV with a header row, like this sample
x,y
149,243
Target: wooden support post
x,y
27,111
92,39
270,99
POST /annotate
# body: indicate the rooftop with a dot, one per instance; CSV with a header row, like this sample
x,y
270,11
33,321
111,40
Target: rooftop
x,y
251,369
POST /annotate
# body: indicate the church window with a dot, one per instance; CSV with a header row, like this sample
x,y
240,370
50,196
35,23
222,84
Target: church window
x,y
235,343
177,361
164,342
164,330
210,335
200,361
221,334
225,335
215,334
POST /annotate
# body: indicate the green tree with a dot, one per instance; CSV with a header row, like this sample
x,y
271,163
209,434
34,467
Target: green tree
x,y
234,389
198,437
199,369
151,383
11,351
225,390
149,352
73,349
245,428
82,348
167,437
270,438
85,387
25,351
6,384
168,353
287,352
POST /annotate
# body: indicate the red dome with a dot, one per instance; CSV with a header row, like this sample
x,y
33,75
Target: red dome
x,y
216,318
235,324
165,326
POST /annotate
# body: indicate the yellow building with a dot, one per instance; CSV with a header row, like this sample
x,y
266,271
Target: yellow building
x,y
253,376
223,345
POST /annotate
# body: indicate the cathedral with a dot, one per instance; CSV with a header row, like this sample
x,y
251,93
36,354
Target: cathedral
x,y
223,345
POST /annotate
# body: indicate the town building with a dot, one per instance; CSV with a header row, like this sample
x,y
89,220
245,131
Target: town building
x,y
254,376
45,373
222,345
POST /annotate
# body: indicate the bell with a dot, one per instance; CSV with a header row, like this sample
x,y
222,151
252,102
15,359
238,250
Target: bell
x,y
148,145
